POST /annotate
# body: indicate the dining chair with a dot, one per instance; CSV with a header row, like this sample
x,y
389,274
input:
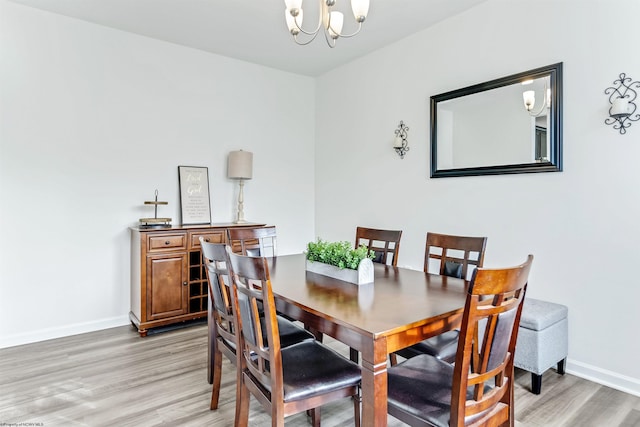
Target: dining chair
x,y
221,322
285,380
384,243
253,241
477,390
452,256
256,241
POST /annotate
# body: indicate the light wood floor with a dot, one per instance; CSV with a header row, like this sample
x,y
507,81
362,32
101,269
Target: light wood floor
x,y
115,378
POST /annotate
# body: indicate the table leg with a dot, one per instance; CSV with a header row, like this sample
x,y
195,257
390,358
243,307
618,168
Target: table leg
x,y
374,385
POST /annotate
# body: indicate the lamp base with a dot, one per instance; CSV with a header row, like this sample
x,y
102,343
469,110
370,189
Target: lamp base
x,y
240,221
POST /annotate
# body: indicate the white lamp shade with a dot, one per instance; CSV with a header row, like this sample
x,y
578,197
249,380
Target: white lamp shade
x,y
620,107
360,9
291,21
240,165
529,98
335,24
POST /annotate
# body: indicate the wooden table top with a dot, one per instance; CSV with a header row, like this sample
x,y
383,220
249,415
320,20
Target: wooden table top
x,y
399,299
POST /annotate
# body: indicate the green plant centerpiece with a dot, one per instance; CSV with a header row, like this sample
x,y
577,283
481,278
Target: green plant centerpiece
x,y
341,261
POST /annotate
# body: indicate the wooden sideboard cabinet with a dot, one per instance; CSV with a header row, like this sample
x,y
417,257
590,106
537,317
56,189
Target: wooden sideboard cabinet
x,y
168,278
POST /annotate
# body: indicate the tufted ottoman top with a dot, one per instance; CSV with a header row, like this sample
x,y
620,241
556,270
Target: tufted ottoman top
x,y
538,315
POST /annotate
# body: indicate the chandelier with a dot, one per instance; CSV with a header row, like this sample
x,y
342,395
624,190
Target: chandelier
x,y
529,98
329,20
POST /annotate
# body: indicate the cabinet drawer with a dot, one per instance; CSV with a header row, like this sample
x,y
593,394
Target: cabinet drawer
x,y
211,237
167,241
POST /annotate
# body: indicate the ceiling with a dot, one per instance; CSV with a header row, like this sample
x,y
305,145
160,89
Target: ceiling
x,y
255,30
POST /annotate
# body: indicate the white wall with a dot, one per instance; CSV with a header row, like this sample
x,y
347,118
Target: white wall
x,y
93,120
581,224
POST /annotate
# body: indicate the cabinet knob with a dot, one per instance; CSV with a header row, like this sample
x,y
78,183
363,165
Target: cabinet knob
x,y
206,240
184,283
167,242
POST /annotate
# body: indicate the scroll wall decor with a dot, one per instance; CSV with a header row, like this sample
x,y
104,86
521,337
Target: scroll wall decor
x,y
623,109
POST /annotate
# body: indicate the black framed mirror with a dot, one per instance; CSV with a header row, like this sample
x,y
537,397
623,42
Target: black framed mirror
x,y
508,125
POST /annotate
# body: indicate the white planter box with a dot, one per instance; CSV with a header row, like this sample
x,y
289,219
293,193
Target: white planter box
x,y
364,273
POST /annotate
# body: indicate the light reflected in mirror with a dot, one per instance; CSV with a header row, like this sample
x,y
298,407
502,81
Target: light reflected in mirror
x,y
508,125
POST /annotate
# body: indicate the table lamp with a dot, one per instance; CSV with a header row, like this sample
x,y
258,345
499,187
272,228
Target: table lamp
x,y
240,167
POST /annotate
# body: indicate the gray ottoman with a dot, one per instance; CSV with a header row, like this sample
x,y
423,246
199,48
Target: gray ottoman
x,y
542,339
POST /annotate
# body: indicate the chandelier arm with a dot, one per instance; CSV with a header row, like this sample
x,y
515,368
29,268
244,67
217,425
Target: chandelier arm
x,y
309,33
330,40
545,104
539,112
295,39
346,36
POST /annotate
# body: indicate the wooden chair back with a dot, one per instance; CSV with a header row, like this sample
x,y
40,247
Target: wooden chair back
x,y
249,241
385,243
214,256
221,320
254,300
261,354
453,254
482,392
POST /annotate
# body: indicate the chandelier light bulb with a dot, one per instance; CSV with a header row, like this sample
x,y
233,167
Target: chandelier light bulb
x,y
548,98
529,98
360,9
334,25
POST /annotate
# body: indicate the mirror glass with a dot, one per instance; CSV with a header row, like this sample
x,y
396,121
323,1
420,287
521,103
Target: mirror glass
x,y
507,125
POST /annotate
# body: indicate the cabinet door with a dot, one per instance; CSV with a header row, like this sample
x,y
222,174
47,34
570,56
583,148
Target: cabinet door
x,y
166,286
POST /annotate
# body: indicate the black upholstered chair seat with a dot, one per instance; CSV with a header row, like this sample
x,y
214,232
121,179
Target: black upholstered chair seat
x,y
442,346
422,386
310,368
290,333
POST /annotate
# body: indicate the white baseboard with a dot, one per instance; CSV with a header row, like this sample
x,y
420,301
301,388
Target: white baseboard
x,y
64,331
602,376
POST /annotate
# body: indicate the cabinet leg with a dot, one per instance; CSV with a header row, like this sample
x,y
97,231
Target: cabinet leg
x,y
142,332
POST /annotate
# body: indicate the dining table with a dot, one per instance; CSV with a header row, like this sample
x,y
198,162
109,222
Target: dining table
x,y
399,308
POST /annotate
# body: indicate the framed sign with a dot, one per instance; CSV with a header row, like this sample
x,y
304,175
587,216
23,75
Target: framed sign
x,y
195,207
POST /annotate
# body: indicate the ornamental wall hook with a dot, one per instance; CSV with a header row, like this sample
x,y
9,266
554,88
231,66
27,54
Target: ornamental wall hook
x,y
622,97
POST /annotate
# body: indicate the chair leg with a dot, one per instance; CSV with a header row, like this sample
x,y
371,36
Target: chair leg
x,y
561,365
242,402
536,383
356,409
216,372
